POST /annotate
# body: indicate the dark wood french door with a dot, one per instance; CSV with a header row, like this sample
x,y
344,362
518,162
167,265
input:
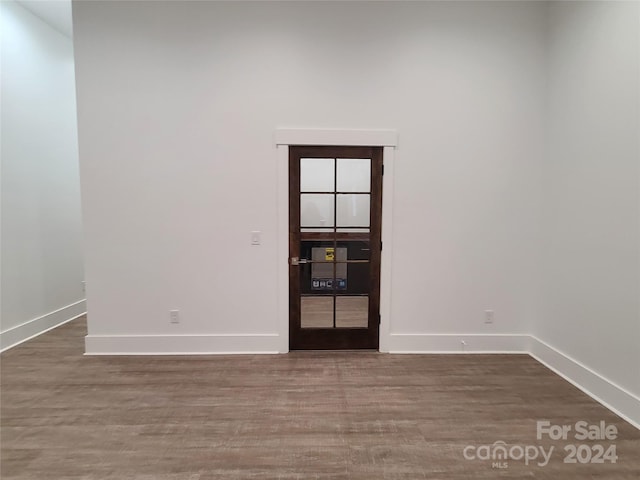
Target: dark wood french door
x,y
335,211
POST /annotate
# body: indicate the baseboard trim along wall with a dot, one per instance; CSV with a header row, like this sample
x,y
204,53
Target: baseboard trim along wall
x,y
37,326
456,343
182,344
612,396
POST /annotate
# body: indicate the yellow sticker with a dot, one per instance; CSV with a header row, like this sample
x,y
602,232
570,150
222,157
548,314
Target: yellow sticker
x,y
329,254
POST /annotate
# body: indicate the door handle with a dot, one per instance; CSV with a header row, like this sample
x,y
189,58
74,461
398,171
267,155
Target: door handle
x,y
295,261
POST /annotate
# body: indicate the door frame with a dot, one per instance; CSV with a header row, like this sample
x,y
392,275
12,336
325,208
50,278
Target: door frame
x,y
286,137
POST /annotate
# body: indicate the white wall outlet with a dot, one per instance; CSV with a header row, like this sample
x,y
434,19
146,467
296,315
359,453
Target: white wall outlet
x,y
463,345
255,238
174,316
488,316
84,287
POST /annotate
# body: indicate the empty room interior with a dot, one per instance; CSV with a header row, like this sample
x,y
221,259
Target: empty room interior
x,y
320,240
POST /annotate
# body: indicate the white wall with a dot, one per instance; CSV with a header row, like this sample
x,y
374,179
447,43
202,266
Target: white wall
x,y
178,104
591,274
42,266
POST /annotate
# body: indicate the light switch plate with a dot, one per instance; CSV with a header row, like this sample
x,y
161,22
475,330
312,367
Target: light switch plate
x,y
255,238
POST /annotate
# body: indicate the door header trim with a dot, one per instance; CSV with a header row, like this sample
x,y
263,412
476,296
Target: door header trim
x,y
345,137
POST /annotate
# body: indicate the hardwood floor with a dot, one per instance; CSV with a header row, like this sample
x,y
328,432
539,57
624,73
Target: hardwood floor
x,y
305,415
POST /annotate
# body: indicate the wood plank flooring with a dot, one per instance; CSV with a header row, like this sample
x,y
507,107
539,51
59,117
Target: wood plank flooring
x,y
305,415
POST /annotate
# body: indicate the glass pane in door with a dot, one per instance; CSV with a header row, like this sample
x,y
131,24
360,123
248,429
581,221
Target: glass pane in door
x,y
317,175
352,311
353,175
352,210
316,210
316,312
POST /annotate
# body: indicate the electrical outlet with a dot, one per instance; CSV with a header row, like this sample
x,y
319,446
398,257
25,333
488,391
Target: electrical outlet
x,y
463,345
488,316
84,287
174,316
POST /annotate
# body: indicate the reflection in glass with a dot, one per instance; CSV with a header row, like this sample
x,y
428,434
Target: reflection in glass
x,y
354,175
352,312
356,249
353,210
316,174
306,246
316,312
316,210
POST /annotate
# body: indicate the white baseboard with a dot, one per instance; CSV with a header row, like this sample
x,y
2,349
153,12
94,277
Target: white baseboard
x,y
615,398
181,344
453,343
37,326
